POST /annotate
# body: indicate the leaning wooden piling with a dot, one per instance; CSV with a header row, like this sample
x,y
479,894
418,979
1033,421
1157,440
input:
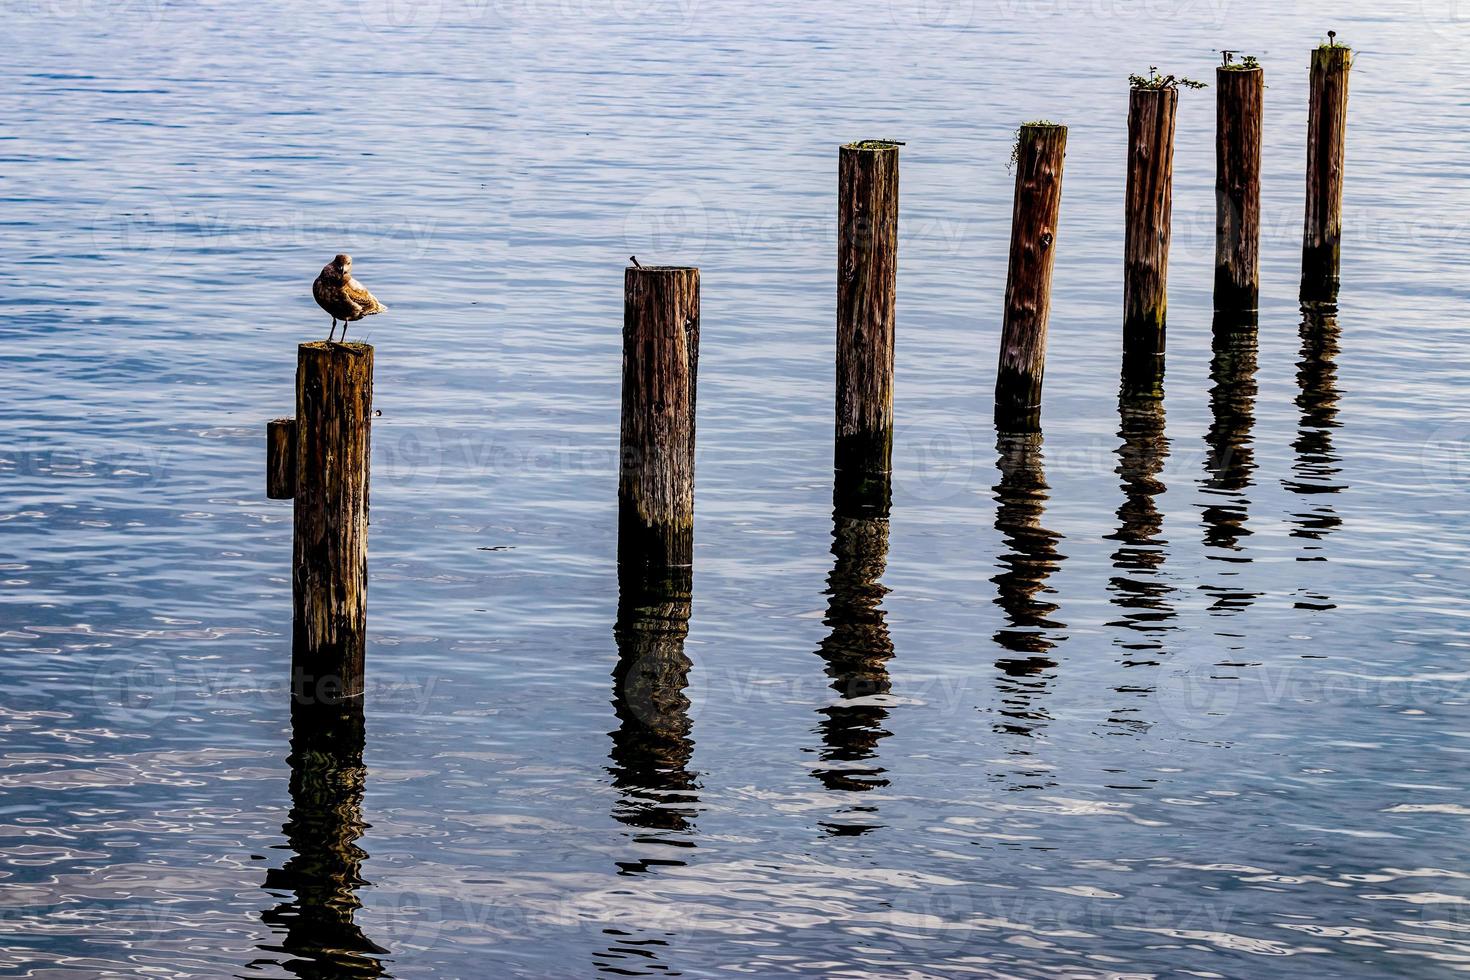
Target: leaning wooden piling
x,y
1239,97
1326,150
330,460
1040,150
1147,219
660,372
867,273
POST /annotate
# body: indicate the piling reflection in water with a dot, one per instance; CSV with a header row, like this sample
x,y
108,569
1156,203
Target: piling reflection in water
x,y
652,745
1032,629
1316,471
1138,588
1230,455
857,647
324,874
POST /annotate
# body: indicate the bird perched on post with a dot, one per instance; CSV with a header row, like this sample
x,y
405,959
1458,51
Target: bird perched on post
x,y
343,296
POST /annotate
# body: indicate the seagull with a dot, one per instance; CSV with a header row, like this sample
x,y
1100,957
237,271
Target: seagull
x,y
343,296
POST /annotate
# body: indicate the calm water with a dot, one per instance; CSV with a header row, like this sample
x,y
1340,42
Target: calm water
x,y
1179,689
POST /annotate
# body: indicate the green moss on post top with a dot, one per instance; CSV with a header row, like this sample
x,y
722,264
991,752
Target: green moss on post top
x,y
1338,57
876,145
1247,63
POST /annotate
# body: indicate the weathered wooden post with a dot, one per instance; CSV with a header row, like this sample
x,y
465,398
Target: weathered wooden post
x,y
1326,148
1040,150
1239,88
867,272
660,371
1147,219
326,449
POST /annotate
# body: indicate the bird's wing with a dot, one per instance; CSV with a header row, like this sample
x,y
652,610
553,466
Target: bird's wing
x,y
358,293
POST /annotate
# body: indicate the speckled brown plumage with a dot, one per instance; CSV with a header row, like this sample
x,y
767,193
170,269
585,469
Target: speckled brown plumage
x,y
343,296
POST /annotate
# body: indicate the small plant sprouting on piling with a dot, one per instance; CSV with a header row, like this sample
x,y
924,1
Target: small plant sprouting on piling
x,y
1246,63
1332,41
1155,81
1016,142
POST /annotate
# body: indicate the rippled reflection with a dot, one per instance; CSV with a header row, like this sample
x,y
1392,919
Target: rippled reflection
x,y
1138,588
651,745
323,876
1032,629
1230,455
857,648
1315,472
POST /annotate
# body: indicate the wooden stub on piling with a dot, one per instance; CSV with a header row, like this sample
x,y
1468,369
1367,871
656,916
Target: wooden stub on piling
x,y
280,459
334,403
660,371
867,274
1040,150
1326,143
1147,219
1238,104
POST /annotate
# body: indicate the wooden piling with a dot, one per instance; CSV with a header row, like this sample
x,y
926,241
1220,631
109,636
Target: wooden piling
x,y
1326,147
867,273
334,405
660,371
1040,150
1147,219
280,459
1239,97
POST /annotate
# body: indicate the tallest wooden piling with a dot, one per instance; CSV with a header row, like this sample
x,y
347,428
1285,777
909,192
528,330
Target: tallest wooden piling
x,y
867,274
660,374
1326,149
1239,96
1147,219
334,407
1041,148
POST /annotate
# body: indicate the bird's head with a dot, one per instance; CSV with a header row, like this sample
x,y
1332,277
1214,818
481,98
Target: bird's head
x,y
343,263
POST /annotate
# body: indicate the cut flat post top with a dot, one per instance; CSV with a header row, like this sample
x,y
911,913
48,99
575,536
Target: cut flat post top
x,y
1326,152
660,374
1040,151
1239,94
867,274
1147,218
334,404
